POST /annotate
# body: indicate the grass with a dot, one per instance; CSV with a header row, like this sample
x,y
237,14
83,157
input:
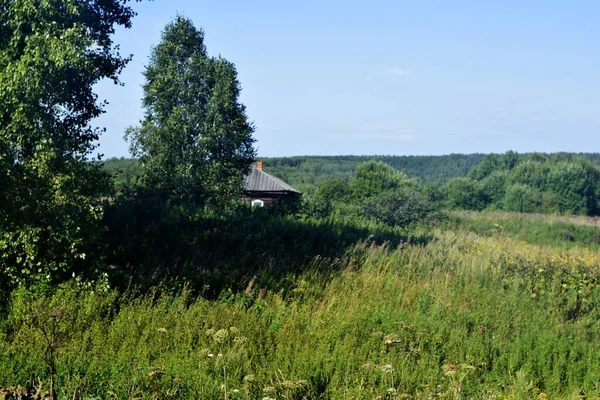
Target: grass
x,y
556,231
465,315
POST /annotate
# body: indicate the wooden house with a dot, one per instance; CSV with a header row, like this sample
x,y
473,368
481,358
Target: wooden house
x,y
263,189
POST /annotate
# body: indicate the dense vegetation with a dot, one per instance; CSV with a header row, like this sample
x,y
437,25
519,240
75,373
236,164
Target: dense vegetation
x,y
306,171
152,279
562,183
314,170
50,59
430,170
461,316
557,184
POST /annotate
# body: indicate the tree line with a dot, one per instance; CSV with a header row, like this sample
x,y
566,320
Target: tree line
x,y
560,183
553,184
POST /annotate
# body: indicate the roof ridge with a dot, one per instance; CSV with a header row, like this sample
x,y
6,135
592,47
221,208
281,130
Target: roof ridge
x,y
275,180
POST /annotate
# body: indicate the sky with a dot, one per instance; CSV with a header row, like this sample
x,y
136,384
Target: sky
x,y
388,77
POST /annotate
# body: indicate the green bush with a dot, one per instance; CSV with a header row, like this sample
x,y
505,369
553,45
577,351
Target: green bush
x,y
465,194
522,198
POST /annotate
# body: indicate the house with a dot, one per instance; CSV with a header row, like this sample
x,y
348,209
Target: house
x,y
263,189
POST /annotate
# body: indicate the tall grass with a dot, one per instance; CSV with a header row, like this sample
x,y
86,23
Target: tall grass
x,y
463,316
565,231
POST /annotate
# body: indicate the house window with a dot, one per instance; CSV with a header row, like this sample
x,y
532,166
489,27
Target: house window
x,y
258,203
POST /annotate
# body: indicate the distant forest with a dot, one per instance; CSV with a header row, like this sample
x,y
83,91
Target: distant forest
x,y
315,170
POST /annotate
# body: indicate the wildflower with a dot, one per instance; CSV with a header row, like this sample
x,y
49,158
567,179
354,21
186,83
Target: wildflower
x,y
240,339
269,390
220,355
450,369
211,355
235,391
289,385
387,368
210,332
234,330
155,371
204,352
391,339
162,330
249,378
392,391
370,366
221,335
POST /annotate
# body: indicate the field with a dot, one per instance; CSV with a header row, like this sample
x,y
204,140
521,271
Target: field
x,y
475,312
189,271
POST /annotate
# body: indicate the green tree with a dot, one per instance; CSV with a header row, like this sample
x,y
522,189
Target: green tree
x,y
509,160
400,208
379,192
195,143
494,186
465,193
52,53
531,173
576,185
321,202
522,198
374,177
485,168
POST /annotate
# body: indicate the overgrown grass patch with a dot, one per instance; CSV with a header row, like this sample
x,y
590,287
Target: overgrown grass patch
x,y
463,316
566,232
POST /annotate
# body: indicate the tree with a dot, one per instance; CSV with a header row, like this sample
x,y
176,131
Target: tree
x,y
52,53
195,143
485,168
373,177
400,208
465,193
576,185
522,198
509,160
494,186
531,173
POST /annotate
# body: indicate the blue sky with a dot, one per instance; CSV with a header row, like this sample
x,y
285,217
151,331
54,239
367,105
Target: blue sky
x,y
389,77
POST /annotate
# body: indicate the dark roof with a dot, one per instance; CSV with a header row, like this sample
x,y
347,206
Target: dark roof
x,y
260,181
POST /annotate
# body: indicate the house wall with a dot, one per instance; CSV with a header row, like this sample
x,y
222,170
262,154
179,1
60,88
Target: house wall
x,y
286,201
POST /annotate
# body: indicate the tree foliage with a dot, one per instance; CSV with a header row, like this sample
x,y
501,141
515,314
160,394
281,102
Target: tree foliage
x,y
522,198
195,143
52,53
560,183
464,193
376,192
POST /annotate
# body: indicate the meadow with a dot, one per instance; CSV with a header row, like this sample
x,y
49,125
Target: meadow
x,y
468,313
155,277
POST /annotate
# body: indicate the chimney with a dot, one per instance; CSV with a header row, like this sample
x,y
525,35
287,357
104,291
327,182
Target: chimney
x,y
259,165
